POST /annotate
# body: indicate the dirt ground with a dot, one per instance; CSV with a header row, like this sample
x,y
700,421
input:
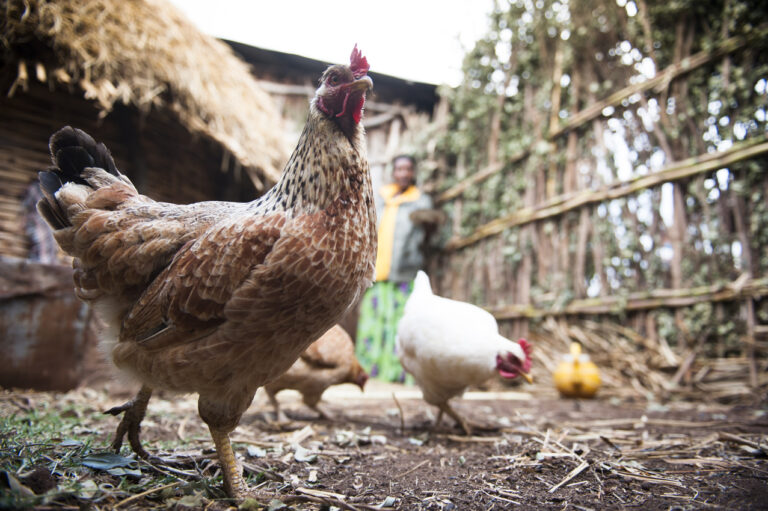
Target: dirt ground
x,y
533,451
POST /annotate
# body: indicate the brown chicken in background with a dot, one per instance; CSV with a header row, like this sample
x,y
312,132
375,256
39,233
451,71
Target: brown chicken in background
x,y
220,298
330,360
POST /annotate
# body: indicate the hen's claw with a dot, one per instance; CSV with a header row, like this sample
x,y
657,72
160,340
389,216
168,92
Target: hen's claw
x,y
133,413
282,418
323,414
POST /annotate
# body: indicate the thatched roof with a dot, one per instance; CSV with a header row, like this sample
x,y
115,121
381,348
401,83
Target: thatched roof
x,y
147,54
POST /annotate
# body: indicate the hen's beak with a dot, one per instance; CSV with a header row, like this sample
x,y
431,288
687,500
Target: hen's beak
x,y
527,377
362,84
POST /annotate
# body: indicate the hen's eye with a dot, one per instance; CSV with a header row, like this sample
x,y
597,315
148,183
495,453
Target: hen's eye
x,y
333,80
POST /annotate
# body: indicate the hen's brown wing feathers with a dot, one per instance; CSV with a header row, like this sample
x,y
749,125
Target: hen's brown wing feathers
x,y
318,362
121,240
191,294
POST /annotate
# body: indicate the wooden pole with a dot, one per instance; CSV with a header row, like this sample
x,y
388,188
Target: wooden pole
x,y
560,204
658,298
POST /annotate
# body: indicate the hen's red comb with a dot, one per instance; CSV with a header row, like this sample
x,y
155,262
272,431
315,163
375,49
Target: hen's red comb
x,y
358,64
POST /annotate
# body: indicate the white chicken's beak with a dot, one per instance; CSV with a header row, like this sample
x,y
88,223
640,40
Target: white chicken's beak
x,y
527,377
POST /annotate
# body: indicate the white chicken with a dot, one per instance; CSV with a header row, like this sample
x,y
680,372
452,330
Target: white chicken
x,y
448,345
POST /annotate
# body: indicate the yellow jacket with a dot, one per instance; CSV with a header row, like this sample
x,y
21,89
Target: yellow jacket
x,y
399,254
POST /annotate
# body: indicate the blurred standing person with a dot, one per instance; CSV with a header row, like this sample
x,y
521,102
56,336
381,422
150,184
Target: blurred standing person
x,y
401,234
42,245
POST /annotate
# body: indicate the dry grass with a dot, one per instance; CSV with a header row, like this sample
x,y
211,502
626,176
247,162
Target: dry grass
x,y
536,453
634,366
147,54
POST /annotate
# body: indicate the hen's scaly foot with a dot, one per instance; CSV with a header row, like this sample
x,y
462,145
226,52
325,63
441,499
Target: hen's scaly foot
x,y
133,413
234,484
281,418
323,414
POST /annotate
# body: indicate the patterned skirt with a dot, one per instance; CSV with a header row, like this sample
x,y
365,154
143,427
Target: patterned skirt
x,y
380,311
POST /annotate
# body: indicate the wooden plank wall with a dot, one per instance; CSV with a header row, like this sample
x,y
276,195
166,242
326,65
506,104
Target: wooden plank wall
x,y
159,155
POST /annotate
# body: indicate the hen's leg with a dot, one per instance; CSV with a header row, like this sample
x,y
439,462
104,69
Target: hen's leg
x,y
222,417
313,402
234,484
279,415
133,413
445,407
324,414
439,417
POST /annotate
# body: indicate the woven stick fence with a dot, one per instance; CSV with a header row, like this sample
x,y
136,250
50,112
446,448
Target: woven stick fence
x,y
646,210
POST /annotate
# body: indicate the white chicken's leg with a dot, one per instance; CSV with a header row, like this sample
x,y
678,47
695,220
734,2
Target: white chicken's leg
x,y
133,413
445,407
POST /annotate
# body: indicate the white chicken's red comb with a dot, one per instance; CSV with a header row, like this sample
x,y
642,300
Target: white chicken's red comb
x,y
358,64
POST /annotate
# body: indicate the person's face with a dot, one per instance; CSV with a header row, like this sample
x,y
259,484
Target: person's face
x,y
403,173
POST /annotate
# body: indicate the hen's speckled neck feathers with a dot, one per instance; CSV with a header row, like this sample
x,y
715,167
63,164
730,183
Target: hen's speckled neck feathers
x,y
324,167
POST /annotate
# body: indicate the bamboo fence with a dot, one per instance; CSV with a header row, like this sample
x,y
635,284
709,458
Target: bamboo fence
x,y
557,235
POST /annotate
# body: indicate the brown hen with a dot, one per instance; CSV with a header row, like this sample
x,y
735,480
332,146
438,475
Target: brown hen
x,y
220,298
330,360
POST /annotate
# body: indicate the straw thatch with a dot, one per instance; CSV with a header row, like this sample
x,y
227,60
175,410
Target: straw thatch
x,y
145,53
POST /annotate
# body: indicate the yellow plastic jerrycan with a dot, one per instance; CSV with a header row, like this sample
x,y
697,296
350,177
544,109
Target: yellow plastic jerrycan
x,y
576,375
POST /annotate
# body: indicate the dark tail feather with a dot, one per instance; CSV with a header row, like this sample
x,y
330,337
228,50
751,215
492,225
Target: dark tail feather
x,y
48,207
72,151
49,183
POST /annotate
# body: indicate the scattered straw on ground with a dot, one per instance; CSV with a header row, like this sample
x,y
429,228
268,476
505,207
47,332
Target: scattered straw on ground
x,y
541,452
